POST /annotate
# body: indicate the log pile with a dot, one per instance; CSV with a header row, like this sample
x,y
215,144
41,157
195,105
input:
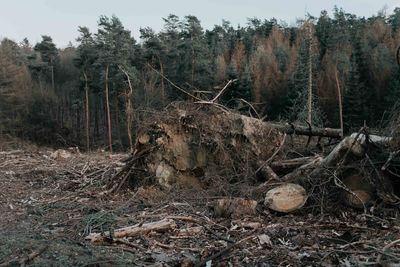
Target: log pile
x,y
188,146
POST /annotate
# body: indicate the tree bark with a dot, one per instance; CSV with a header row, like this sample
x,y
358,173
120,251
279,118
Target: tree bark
x,y
108,111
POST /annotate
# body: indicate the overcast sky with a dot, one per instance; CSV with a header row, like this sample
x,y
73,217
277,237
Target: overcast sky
x,y
61,18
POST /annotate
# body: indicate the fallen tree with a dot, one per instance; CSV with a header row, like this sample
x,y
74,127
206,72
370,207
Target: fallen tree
x,y
191,145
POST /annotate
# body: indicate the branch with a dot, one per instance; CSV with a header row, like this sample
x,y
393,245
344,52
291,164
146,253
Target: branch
x,y
223,90
174,85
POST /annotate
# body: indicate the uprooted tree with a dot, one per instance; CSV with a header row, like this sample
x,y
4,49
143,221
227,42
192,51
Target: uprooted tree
x,y
201,145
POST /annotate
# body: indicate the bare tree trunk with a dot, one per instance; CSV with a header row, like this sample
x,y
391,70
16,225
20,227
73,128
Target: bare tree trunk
x,y
40,82
310,74
108,112
129,109
78,124
340,101
87,112
96,116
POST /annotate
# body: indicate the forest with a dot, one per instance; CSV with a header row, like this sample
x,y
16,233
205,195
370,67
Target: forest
x,y
95,94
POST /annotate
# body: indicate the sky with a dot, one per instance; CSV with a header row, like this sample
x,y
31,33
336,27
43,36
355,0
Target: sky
x,y
60,18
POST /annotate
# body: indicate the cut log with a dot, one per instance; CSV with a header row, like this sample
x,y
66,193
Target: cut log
x,y
135,230
286,198
309,131
235,208
359,191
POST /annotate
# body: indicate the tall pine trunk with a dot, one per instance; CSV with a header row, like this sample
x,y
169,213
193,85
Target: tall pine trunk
x,y
310,74
108,111
87,112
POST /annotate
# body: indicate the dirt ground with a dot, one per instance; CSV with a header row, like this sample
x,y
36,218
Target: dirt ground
x,y
49,204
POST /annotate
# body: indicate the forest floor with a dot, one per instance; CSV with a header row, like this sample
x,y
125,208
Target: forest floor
x,y
49,204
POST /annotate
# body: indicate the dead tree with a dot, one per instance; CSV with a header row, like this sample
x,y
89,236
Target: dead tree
x,y
129,109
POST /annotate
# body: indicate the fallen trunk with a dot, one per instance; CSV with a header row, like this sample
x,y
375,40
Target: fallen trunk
x,y
309,131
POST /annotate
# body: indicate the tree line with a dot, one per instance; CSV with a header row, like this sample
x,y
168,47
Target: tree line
x,y
94,95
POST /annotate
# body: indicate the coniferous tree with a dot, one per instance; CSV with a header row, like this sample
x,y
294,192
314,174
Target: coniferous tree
x,y
355,103
48,53
85,60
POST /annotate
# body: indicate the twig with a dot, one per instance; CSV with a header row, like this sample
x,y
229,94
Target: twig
x,y
385,248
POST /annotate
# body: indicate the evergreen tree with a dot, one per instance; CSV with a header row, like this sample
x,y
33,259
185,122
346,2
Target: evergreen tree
x,y
115,47
49,55
298,95
355,103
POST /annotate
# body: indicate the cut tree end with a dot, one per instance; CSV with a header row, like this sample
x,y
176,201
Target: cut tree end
x,y
286,198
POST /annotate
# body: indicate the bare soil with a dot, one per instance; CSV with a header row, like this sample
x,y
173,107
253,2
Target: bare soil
x,y
48,205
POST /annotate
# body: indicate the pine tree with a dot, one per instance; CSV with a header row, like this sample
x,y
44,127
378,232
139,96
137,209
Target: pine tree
x,y
355,102
85,59
49,54
301,99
